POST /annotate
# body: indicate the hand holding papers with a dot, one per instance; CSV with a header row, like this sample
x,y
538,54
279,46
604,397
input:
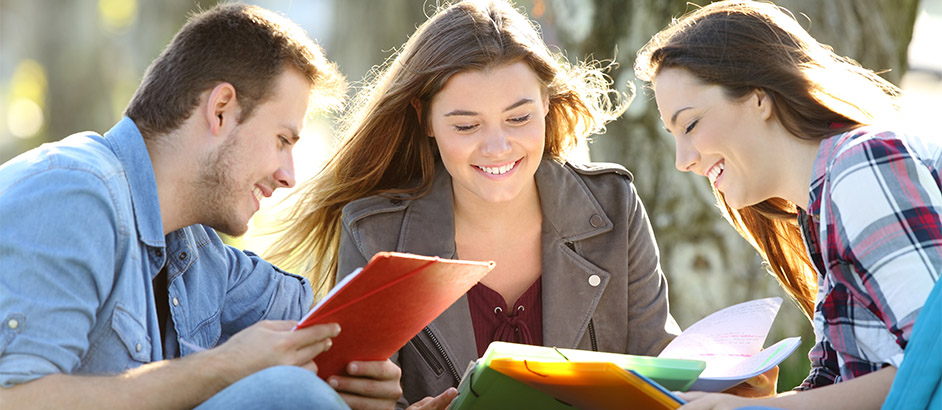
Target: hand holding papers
x,y
730,342
386,303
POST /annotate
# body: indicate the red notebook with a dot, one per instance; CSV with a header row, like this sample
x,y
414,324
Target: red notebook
x,y
386,303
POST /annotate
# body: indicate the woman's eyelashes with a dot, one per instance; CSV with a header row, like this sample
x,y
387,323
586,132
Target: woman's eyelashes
x,y
691,126
518,120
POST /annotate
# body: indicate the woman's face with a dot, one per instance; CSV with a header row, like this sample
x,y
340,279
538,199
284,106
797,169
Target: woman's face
x,y
490,130
723,140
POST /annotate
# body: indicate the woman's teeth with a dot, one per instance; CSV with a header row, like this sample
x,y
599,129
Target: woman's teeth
x,y
498,170
258,194
715,172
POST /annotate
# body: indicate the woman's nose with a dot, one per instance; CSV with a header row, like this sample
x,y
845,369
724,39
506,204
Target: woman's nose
x,y
496,144
685,156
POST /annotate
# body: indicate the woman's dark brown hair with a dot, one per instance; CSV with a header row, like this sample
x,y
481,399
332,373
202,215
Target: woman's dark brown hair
x,y
744,46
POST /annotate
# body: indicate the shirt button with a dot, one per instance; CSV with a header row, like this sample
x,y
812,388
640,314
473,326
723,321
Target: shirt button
x,y
138,347
176,302
182,256
158,252
13,323
595,221
594,280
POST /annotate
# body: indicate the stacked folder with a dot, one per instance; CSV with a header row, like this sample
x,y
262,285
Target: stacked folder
x,y
515,376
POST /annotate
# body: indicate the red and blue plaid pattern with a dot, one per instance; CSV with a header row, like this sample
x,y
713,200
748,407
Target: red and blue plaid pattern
x,y
873,229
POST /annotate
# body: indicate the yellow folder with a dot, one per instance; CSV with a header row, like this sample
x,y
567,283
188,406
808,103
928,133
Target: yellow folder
x,y
589,385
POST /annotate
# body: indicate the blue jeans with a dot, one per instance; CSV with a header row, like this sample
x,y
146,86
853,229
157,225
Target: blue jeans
x,y
280,387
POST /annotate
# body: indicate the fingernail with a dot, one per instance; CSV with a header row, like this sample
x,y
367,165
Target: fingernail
x,y
353,368
328,343
332,382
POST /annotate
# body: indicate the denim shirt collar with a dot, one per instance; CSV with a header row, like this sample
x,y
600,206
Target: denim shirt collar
x,y
126,141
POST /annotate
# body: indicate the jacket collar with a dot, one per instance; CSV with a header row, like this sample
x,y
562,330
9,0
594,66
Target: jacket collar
x,y
128,145
427,229
569,208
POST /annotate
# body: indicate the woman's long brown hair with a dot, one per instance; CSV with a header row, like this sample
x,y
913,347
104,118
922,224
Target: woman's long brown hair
x,y
744,46
384,148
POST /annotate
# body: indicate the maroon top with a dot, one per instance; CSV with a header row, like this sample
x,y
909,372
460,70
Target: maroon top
x,y
492,320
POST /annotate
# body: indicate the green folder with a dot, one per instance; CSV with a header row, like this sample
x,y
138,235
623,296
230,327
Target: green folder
x,y
482,387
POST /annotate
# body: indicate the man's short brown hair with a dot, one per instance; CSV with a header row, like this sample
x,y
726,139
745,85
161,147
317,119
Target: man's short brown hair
x,y
246,46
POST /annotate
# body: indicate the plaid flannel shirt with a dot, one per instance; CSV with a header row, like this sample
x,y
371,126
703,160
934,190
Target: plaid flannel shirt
x,y
873,229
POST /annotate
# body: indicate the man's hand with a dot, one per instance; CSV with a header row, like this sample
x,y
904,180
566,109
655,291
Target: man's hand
x,y
369,385
272,343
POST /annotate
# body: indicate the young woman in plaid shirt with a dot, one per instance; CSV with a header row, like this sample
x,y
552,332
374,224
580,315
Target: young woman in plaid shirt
x,y
845,211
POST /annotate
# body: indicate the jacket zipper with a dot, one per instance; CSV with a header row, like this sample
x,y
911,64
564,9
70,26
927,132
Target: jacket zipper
x,y
427,354
595,342
451,367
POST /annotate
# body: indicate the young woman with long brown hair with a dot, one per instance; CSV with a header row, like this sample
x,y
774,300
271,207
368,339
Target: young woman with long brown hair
x,y
457,148
845,211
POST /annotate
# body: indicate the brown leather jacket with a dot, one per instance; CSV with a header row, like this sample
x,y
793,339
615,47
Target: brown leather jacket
x,y
603,288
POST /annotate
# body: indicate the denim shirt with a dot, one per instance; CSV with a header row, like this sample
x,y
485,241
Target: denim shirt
x,y
82,240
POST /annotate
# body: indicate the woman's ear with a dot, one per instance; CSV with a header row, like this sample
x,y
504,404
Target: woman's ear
x,y
763,103
221,108
417,106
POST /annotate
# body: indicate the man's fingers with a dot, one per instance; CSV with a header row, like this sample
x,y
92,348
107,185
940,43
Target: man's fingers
x,y
309,352
310,365
319,332
279,325
386,390
366,403
379,370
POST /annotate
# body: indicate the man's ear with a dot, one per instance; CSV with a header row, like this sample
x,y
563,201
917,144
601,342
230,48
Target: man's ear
x,y
221,108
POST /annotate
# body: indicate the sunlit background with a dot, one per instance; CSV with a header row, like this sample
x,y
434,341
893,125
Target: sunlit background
x,y
69,66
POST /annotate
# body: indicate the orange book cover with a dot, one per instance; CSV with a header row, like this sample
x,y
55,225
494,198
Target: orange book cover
x,y
590,385
386,303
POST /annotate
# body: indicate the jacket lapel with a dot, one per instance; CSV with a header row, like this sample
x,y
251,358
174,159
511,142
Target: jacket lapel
x,y
570,213
428,230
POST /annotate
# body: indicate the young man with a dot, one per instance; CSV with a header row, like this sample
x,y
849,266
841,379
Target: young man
x,y
110,263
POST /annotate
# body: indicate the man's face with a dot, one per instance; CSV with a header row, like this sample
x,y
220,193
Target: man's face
x,y
254,160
